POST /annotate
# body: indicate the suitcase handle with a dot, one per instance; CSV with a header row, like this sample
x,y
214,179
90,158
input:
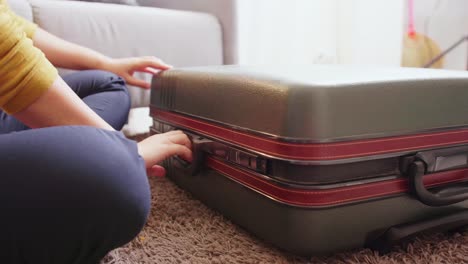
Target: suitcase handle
x,y
199,147
446,196
398,233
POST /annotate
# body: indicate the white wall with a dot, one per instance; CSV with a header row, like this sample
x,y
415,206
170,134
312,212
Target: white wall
x,y
320,31
448,24
370,31
286,31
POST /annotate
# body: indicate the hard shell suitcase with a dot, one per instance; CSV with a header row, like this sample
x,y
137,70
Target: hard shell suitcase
x,y
324,158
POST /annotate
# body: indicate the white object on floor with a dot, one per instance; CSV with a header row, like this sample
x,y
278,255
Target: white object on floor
x,y
139,122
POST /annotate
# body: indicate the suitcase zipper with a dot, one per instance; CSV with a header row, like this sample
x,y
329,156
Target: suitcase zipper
x,y
289,172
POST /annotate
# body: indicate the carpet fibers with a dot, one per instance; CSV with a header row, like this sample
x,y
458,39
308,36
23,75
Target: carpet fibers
x,y
181,229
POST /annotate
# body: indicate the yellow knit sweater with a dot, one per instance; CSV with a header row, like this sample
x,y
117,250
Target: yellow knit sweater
x,y
25,73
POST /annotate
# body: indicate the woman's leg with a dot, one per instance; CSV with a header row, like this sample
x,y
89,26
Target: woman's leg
x,y
69,194
104,92
9,123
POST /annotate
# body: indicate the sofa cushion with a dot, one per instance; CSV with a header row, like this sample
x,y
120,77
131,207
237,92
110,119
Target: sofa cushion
x,y
177,37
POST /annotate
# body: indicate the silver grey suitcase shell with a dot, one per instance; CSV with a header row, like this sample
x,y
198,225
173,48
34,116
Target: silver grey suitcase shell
x,y
324,158
321,103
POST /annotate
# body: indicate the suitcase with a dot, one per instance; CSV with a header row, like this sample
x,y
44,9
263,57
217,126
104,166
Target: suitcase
x,y
325,158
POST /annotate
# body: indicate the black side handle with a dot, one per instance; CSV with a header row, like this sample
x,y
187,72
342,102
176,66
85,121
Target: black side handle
x,y
399,233
199,151
446,196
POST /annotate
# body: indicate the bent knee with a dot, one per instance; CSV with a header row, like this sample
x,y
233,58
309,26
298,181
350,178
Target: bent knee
x,y
101,167
89,180
120,190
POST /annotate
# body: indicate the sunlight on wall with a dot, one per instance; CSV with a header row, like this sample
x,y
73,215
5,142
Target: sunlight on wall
x,y
286,31
320,31
370,31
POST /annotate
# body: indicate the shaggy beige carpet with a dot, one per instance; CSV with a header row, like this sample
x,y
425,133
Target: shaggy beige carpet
x,y
181,229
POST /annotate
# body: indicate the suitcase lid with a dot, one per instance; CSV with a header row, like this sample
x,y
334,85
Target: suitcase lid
x,y
321,103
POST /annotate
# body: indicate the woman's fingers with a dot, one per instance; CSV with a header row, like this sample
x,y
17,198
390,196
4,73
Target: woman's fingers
x,y
126,68
177,137
180,150
157,171
181,139
173,132
153,62
149,70
137,82
157,148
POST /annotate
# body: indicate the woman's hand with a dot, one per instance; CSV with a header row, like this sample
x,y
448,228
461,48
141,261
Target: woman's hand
x,y
161,146
126,67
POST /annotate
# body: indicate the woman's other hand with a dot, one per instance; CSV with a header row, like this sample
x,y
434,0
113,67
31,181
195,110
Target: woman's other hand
x,y
158,147
64,54
126,67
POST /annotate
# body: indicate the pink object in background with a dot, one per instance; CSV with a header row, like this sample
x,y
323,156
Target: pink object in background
x,y
411,31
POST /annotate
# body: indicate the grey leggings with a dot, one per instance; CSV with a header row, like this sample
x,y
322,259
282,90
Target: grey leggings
x,y
71,194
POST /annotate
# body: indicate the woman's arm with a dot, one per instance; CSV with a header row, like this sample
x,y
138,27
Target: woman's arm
x,y
30,88
32,91
68,55
59,106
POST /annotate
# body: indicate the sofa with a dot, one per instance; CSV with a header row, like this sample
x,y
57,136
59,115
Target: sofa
x,y
180,32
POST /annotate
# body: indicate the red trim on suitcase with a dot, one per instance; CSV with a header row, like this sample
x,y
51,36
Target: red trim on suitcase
x,y
334,196
316,151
